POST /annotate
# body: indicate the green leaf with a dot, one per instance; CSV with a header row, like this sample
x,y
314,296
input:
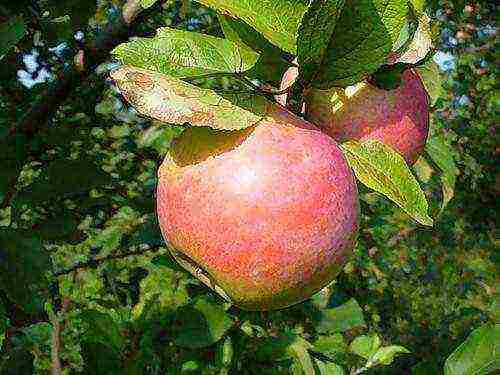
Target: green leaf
x,y
287,346
315,33
421,44
18,362
327,368
384,170
386,354
23,264
363,38
478,354
173,101
299,351
365,346
333,346
161,290
342,318
58,226
102,329
441,153
145,4
184,54
100,359
62,178
200,325
225,352
11,32
432,80
277,20
4,324
270,66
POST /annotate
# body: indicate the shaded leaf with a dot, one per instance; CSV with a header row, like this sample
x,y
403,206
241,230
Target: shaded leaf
x,y
102,329
171,100
4,324
58,226
342,318
363,38
62,178
23,264
478,354
277,20
100,359
79,11
199,325
441,153
384,170
11,32
365,346
184,54
18,362
315,32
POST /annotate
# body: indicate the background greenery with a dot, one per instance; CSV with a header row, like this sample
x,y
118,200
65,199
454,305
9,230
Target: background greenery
x,y
86,284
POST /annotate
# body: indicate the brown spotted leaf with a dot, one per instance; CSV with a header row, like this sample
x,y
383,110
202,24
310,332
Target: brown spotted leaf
x,y
171,100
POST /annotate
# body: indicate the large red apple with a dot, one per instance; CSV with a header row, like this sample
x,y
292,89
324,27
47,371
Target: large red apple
x,y
265,216
398,118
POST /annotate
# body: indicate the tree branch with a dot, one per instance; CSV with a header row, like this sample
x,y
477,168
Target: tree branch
x,y
95,52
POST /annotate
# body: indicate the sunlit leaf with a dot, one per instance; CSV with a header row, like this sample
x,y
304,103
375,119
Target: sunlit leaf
x,y
277,20
478,354
384,170
363,38
420,45
315,32
365,346
184,54
386,354
441,153
342,318
432,80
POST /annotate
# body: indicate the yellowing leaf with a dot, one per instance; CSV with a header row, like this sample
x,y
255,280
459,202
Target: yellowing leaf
x,y
173,101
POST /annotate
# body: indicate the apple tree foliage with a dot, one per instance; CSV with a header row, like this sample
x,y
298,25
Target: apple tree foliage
x,y
86,282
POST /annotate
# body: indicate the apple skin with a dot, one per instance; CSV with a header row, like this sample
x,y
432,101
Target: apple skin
x,y
399,118
266,216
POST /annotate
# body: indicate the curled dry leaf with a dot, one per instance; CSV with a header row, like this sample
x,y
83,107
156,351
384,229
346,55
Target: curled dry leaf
x,y
174,101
